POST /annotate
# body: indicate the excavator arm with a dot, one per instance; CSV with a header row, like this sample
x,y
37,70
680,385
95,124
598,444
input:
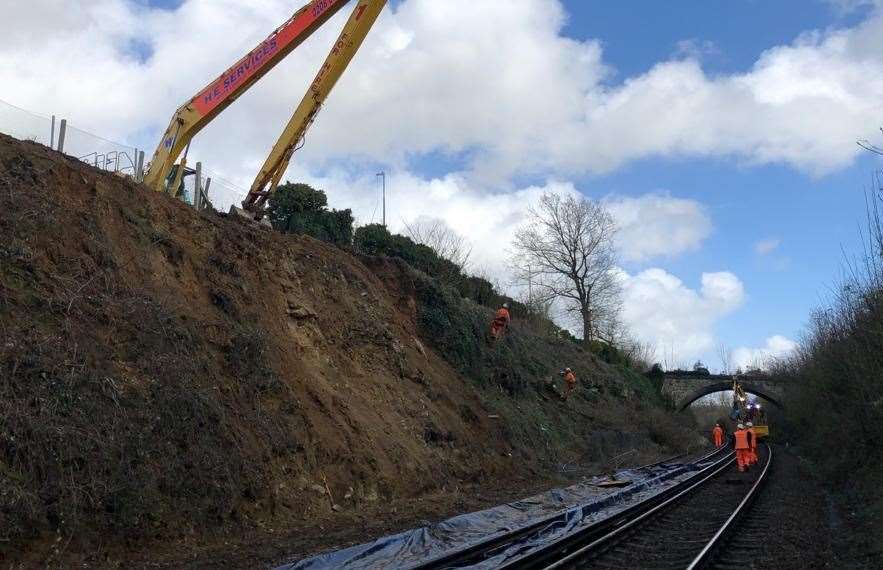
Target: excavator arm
x,y
191,117
354,32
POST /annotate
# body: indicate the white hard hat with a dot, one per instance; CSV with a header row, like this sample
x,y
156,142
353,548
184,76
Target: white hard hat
x,y
505,305
749,424
740,426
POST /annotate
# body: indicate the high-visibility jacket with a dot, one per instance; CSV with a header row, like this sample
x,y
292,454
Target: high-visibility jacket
x,y
753,438
717,432
570,378
502,315
742,439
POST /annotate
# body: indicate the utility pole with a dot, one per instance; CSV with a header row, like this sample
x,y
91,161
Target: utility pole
x,y
530,287
382,175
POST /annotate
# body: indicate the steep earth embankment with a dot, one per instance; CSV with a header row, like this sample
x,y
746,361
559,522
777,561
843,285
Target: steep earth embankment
x,y
176,377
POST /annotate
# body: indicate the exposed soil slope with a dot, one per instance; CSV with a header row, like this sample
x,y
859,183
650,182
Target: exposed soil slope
x,y
166,374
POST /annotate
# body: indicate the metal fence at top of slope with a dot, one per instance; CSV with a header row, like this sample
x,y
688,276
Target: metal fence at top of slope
x,y
99,152
57,134
223,192
103,153
25,125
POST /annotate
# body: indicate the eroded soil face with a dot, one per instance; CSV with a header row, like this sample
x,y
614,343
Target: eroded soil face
x,y
178,378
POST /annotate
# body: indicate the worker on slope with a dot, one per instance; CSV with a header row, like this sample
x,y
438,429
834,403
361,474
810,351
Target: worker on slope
x,y
718,435
752,456
569,383
743,447
501,322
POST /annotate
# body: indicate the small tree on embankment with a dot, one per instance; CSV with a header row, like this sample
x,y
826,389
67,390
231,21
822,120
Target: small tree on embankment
x,y
566,252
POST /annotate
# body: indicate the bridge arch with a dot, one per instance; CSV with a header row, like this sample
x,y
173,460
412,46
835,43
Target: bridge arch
x,y
723,387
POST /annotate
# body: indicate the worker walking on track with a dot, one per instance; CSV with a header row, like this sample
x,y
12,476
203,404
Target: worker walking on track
x,y
501,322
752,456
718,435
743,447
569,383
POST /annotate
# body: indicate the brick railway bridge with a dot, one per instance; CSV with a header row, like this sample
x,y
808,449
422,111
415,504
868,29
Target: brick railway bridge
x,y
685,387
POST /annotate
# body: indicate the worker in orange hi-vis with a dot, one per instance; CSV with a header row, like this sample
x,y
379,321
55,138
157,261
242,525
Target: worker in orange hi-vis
x,y
753,443
718,435
569,383
743,447
501,322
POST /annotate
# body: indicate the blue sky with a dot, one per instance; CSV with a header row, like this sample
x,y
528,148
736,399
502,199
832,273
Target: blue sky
x,y
816,218
709,127
638,33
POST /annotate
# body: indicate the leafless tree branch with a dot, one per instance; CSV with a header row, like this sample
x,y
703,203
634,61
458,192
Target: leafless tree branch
x,y
566,253
725,355
437,235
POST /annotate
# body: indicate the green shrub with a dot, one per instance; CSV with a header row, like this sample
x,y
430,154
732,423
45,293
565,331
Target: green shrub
x,y
375,239
301,209
834,389
608,353
656,376
479,290
458,334
568,336
458,328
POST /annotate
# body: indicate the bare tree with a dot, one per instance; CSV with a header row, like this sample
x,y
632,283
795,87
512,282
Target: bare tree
x,y
538,312
610,328
640,355
567,248
725,355
436,234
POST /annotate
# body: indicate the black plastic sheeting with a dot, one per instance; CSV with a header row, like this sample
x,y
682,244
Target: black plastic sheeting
x,y
554,513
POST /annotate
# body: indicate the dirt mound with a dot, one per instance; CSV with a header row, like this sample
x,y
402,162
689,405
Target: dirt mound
x,y
169,375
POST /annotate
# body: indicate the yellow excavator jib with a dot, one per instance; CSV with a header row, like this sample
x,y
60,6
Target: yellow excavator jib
x,y
210,101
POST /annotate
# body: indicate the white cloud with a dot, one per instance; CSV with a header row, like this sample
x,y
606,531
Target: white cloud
x,y
475,89
767,246
650,226
657,225
695,48
777,346
679,321
503,86
488,220
844,7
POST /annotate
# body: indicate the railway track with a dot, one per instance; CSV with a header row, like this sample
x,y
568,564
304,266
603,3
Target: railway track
x,y
686,530
686,526
753,531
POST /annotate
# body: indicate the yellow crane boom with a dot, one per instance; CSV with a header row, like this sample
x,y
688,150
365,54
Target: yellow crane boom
x,y
194,115
354,32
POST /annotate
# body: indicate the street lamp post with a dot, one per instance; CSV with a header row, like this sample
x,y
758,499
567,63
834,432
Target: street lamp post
x,y
382,175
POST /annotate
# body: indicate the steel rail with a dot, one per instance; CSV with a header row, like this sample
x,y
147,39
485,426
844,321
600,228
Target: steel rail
x,y
562,562
703,556
679,456
494,542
